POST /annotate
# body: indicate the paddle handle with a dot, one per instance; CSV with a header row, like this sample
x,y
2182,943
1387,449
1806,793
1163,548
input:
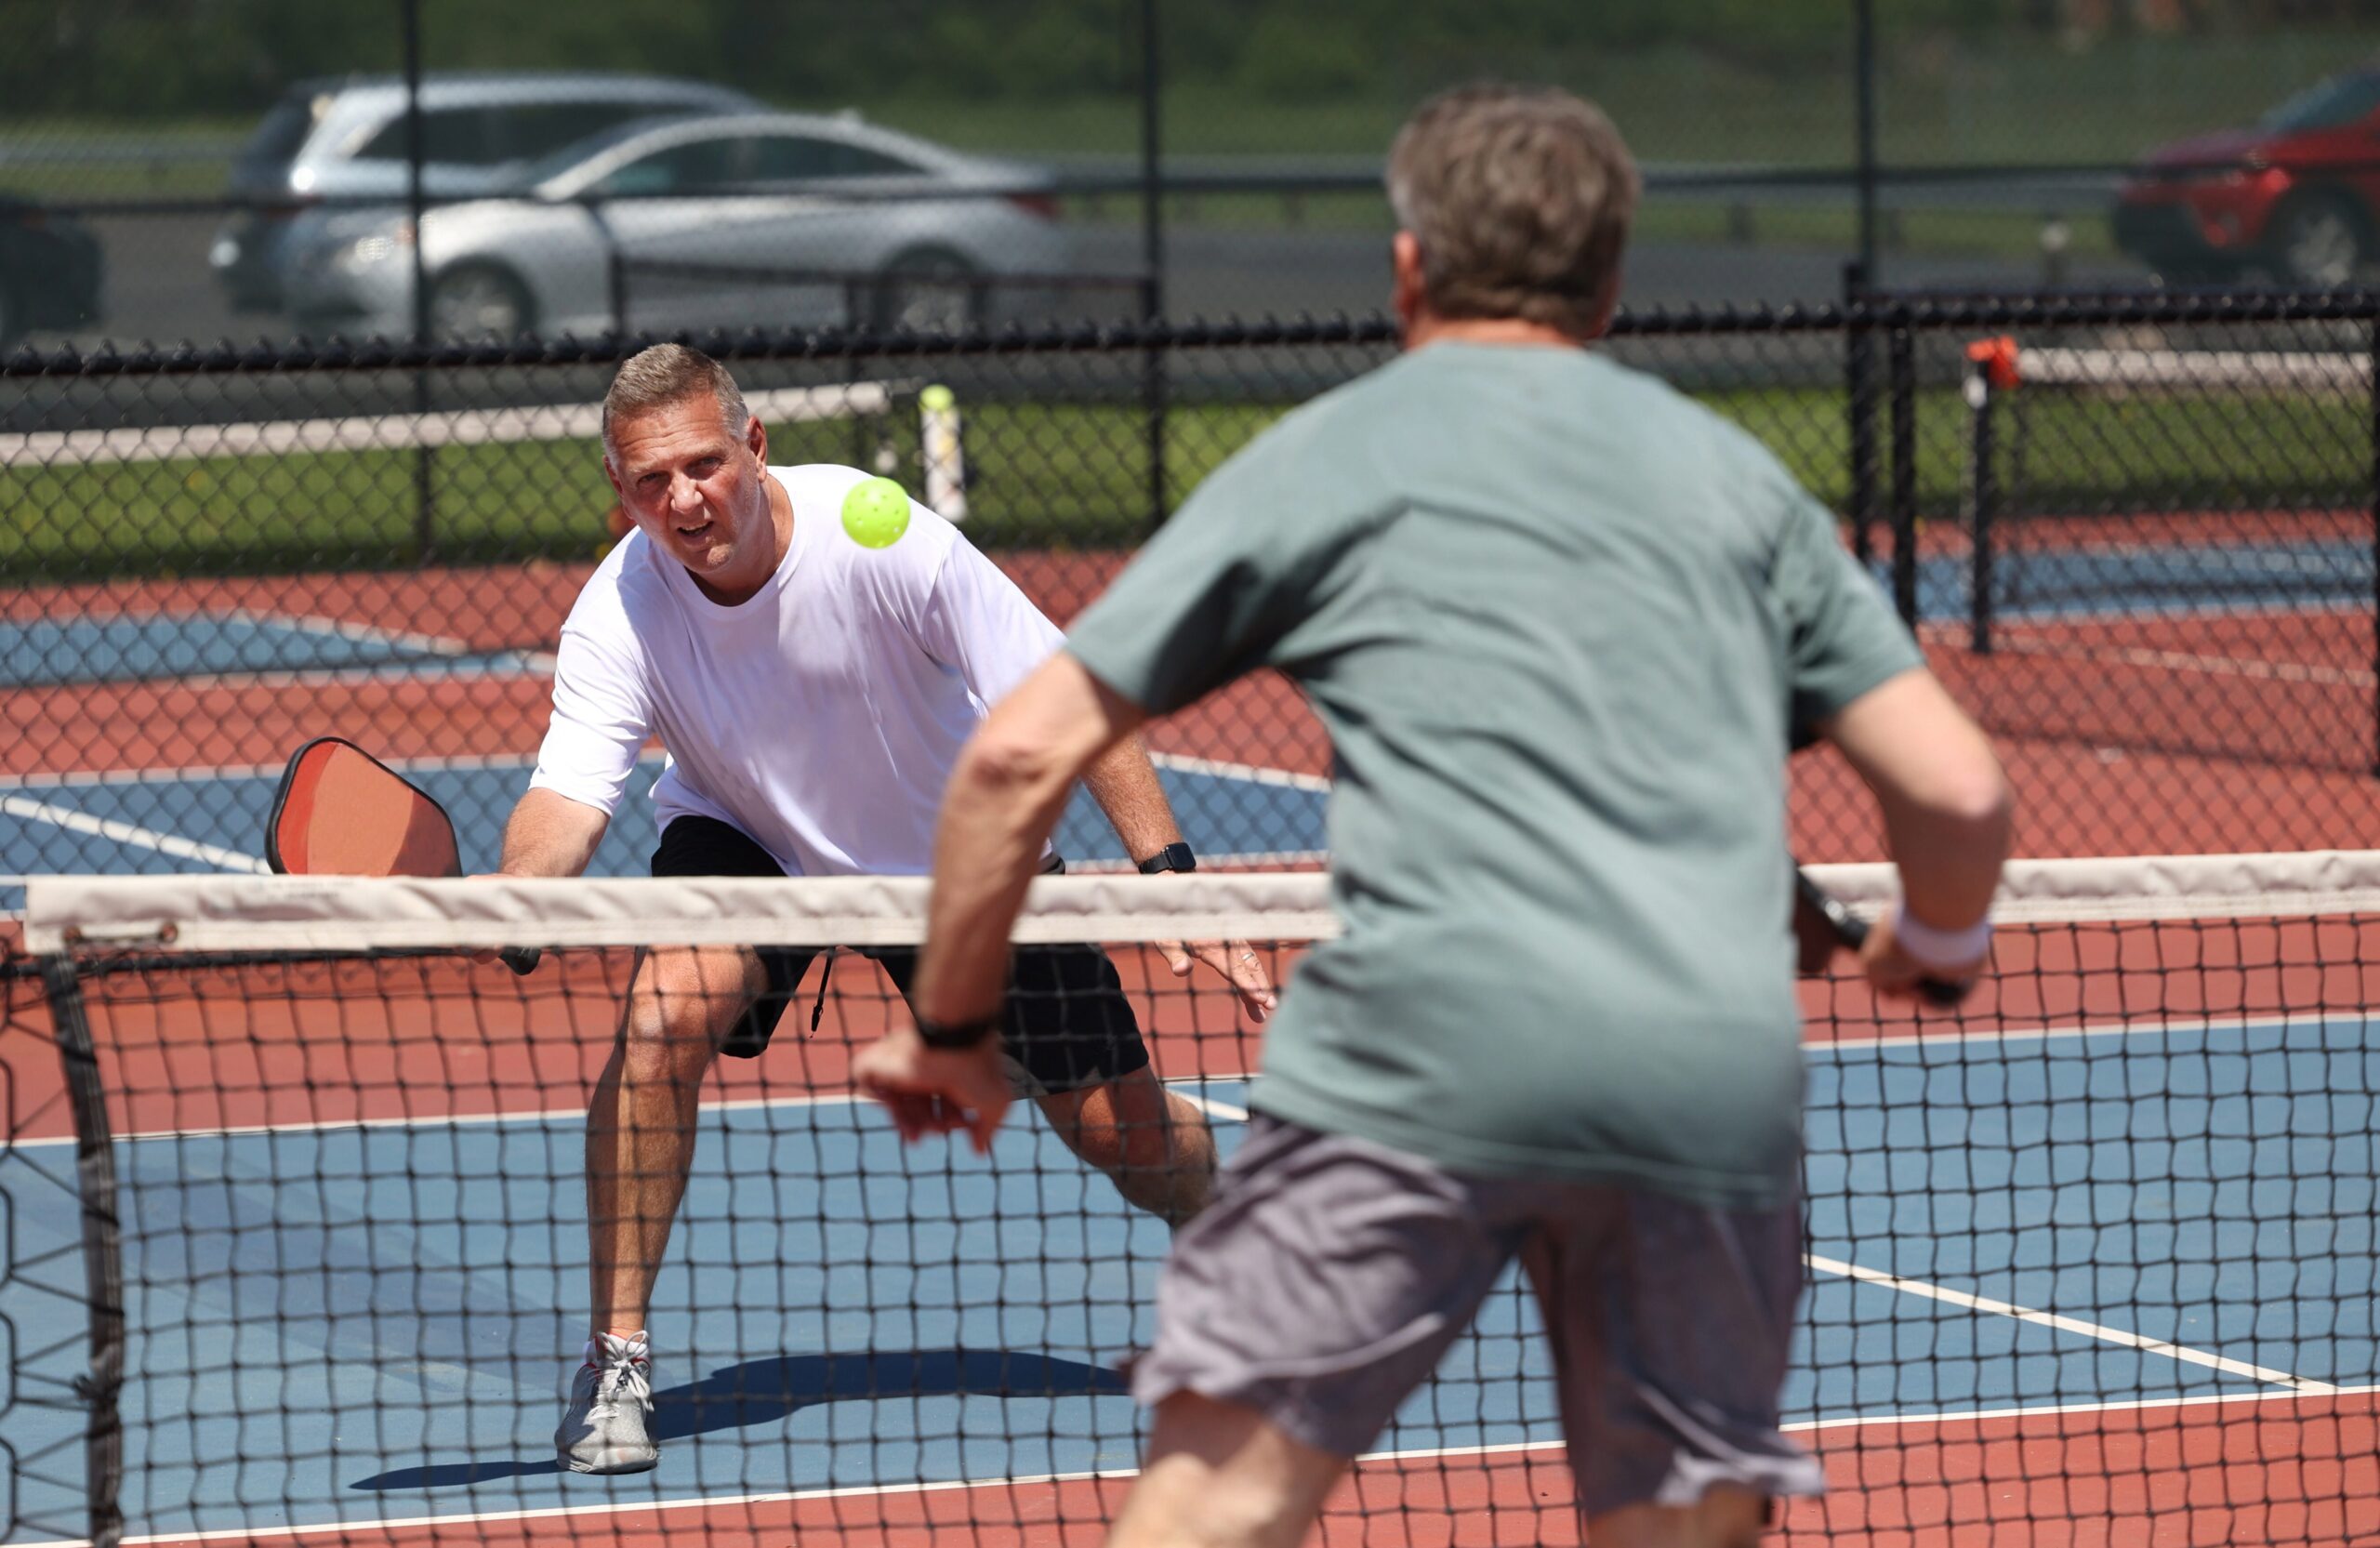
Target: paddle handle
x,y
1852,930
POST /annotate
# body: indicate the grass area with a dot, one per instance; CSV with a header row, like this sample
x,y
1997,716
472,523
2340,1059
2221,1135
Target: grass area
x,y
1075,475
2020,97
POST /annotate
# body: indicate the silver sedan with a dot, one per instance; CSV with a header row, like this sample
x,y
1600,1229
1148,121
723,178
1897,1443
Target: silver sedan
x,y
777,220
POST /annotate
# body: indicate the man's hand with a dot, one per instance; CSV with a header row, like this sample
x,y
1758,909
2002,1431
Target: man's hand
x,y
935,1090
1238,962
1896,975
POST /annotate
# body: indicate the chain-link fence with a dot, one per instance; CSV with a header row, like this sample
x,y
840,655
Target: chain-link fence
x,y
240,168
2137,537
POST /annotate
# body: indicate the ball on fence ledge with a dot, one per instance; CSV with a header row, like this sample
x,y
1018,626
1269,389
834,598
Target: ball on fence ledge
x,y
876,513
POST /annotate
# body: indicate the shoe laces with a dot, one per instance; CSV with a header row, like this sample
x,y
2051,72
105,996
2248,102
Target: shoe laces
x,y
625,1366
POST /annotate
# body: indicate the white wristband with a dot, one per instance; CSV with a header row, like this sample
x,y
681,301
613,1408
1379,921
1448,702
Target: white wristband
x,y
1929,948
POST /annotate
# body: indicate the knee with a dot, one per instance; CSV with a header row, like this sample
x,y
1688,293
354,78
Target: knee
x,y
1156,1131
672,1031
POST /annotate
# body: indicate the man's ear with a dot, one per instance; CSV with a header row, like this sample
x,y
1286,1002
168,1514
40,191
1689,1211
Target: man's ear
x,y
1407,293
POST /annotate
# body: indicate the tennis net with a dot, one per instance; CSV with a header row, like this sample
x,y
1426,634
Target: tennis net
x,y
2170,549
297,1236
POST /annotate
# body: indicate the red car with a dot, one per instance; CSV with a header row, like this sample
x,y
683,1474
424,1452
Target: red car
x,y
2297,196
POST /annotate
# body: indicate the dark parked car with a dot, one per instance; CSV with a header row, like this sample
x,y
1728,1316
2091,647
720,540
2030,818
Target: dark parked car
x,y
2298,195
50,271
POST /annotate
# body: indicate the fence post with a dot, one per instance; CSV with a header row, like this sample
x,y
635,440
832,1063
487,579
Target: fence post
x,y
1152,383
1863,38
1859,384
1981,496
102,1249
1152,263
424,487
1900,385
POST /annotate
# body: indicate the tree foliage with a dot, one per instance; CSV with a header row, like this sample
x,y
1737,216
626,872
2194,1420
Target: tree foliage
x,y
133,59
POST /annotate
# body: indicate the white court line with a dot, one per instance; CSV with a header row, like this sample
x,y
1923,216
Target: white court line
x,y
2063,1324
1263,859
858,1491
1252,773
2087,1029
2189,661
553,1114
126,833
1210,1107
1951,633
500,661
77,779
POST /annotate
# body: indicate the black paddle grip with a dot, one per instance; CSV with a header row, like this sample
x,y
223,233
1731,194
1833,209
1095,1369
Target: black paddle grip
x,y
1852,930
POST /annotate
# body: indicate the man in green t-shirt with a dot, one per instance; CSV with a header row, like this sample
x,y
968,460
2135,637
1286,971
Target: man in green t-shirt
x,y
1562,625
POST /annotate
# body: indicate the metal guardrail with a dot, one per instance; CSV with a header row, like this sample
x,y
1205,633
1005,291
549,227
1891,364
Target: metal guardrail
x,y
2024,186
107,152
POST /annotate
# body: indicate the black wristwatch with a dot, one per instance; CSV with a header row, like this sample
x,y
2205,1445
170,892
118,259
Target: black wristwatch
x,y
1172,857
959,1033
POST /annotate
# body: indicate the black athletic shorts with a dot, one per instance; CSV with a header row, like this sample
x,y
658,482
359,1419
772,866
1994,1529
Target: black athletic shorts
x,y
1069,1024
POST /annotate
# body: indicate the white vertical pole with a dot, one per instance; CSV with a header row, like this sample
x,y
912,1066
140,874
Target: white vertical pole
x,y
946,463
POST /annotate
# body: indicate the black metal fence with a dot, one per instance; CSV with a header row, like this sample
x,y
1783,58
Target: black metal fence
x,y
2137,534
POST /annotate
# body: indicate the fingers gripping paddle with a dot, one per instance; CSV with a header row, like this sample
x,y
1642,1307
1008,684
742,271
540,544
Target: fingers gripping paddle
x,y
342,812
1849,929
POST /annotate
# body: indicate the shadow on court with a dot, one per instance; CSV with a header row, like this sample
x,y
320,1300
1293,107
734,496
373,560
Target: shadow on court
x,y
759,1392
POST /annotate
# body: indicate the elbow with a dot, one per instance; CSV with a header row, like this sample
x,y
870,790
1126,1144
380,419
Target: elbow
x,y
1007,770
1974,799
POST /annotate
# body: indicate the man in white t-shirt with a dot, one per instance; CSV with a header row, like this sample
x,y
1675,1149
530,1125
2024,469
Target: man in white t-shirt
x,y
811,694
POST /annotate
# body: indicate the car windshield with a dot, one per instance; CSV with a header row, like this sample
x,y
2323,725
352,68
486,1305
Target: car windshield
x,y
2331,105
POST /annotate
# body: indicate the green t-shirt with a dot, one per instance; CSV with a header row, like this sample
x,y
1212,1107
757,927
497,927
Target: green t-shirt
x,y
1558,621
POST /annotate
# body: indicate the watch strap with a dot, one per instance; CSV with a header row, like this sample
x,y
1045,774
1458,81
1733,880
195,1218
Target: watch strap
x,y
959,1033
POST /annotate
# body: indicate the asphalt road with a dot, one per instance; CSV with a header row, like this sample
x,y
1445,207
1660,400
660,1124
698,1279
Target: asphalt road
x,y
158,289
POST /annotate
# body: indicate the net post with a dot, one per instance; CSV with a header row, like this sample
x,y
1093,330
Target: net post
x,y
1859,387
102,1249
1900,386
1981,496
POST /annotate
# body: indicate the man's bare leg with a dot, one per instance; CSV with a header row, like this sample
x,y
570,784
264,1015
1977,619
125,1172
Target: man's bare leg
x,y
1222,1475
1154,1143
641,1122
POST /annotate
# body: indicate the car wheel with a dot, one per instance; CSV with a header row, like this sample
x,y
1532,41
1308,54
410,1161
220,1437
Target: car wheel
x,y
2319,242
927,290
478,301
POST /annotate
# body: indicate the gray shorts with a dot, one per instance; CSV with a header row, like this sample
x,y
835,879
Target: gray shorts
x,y
1331,1275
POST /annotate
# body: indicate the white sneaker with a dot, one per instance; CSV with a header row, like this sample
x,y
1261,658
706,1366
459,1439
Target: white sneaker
x,y
608,1427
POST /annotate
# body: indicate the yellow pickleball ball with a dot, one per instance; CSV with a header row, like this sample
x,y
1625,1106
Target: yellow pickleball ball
x,y
876,513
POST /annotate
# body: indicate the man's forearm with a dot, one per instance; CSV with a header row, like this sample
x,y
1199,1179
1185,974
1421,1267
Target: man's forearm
x,y
1004,797
1124,785
551,835
1946,805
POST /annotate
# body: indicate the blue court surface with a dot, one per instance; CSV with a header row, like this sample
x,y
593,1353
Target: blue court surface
x,y
131,649
2146,578
362,1324
168,821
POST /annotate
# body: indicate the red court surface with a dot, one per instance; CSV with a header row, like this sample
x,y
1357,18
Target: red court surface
x,y
428,1043
2292,1470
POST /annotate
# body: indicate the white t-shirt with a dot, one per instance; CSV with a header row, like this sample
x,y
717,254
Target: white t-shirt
x,y
822,716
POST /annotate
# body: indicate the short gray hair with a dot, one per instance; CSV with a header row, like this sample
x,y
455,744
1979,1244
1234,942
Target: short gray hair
x,y
666,374
1521,199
